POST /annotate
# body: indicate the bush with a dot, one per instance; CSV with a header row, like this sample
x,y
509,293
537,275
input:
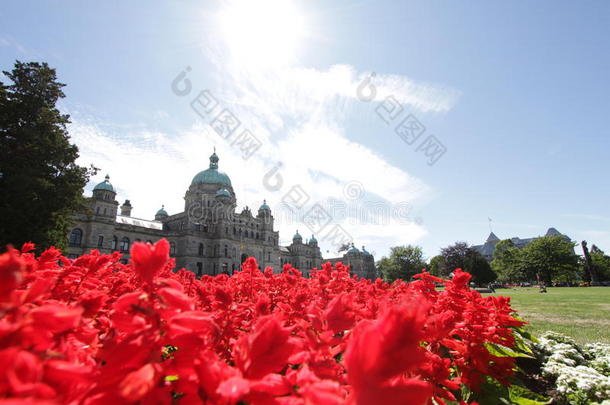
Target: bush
x,y
95,331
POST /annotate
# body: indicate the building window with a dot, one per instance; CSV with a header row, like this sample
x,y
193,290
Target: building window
x,y
268,256
104,211
124,244
172,249
76,237
97,210
215,251
205,228
114,243
226,251
199,269
100,241
201,249
225,268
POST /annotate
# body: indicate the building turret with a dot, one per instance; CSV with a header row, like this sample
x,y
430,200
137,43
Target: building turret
x,y
297,238
126,209
161,214
103,201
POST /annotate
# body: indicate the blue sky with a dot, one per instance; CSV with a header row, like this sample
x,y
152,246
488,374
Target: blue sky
x,y
517,92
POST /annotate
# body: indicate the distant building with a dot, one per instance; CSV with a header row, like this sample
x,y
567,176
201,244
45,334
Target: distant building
x,y
209,237
489,247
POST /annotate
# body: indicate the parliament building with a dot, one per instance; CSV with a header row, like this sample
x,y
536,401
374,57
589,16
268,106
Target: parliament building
x,y
209,237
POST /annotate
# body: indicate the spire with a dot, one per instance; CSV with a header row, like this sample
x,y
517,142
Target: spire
x,y
107,178
214,160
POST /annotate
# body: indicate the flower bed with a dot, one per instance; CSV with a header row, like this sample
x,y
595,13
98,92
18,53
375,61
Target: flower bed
x,y
95,331
582,373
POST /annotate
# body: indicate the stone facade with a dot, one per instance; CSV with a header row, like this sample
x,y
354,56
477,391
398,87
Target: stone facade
x,y
209,237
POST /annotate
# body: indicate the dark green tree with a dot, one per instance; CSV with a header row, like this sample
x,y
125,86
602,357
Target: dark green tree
x,y
40,183
481,271
550,259
601,262
508,263
462,256
436,266
403,263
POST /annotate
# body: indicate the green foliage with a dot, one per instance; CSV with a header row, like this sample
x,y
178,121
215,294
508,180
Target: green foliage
x,y
462,256
507,262
601,262
436,265
550,258
404,262
40,183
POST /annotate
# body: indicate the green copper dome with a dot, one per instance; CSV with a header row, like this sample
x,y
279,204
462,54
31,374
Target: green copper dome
x,y
161,211
105,185
297,236
353,249
264,206
212,175
313,239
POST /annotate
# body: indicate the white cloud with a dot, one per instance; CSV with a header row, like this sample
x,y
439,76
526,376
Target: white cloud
x,y
299,114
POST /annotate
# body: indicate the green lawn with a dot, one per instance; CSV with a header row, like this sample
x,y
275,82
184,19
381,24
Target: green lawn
x,y
580,312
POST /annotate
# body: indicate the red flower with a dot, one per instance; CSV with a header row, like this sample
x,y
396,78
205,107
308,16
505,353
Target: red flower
x,y
148,260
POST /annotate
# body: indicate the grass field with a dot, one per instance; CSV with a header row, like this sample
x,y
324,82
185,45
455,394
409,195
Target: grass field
x,y
580,312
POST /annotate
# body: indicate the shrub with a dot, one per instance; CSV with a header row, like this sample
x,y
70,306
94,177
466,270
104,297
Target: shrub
x,y
95,331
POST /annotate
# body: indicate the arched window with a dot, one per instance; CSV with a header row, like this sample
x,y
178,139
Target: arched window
x,y
124,244
76,237
226,251
100,241
172,249
114,243
201,249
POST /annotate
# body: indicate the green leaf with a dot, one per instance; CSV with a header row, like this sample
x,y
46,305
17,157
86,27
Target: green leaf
x,y
522,396
503,351
492,393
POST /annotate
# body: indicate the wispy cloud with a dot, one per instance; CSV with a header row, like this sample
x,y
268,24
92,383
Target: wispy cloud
x,y
300,115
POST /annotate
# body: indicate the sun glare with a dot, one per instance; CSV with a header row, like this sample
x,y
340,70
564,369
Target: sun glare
x,y
262,32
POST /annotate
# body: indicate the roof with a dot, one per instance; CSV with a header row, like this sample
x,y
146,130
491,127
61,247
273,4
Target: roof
x,y
143,223
493,238
105,185
212,174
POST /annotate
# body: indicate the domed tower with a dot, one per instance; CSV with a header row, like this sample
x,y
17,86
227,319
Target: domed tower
x,y
208,188
297,238
161,214
264,214
104,202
